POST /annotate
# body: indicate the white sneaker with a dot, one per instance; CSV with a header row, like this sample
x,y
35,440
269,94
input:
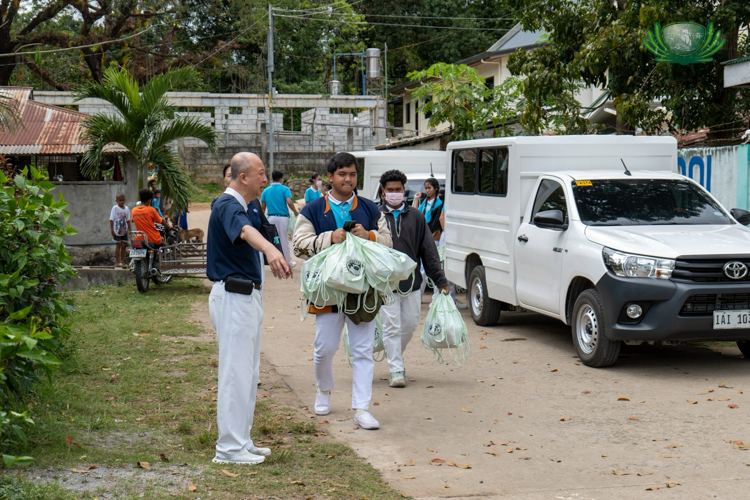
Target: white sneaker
x,y
246,458
256,450
323,402
397,379
461,305
364,419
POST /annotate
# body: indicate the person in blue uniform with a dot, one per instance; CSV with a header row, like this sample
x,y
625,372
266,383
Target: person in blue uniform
x,y
236,307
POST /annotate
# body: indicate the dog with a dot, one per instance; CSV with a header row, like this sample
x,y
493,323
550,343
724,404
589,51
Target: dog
x,y
191,235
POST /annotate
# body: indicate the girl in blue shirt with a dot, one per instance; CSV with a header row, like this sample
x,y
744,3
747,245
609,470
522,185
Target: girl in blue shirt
x,y
313,192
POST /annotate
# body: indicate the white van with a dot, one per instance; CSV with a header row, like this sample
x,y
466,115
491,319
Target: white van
x,y
417,165
557,225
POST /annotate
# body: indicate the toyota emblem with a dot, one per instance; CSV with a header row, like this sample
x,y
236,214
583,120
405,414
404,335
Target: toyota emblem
x,y
735,270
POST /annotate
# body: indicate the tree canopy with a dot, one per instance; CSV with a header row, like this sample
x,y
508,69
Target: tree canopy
x,y
599,42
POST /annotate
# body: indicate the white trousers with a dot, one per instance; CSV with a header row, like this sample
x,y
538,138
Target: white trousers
x,y
282,225
238,320
400,320
328,328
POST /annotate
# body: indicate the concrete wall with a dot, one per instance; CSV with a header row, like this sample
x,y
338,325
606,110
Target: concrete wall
x,y
723,171
89,204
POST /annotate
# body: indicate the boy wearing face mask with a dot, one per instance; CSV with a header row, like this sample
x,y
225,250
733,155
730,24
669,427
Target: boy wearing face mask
x,y
412,236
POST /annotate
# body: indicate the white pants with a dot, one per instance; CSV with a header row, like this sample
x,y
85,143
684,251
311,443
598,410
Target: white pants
x,y
282,225
400,320
328,328
238,320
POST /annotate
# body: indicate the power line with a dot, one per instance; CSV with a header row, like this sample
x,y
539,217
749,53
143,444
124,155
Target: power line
x,y
393,24
432,17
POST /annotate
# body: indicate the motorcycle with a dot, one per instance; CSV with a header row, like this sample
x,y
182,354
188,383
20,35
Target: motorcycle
x,y
144,257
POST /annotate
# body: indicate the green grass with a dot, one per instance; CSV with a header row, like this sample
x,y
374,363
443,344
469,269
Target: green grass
x,y
206,192
162,401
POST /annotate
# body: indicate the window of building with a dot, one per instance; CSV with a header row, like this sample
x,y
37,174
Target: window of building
x,y
490,84
407,112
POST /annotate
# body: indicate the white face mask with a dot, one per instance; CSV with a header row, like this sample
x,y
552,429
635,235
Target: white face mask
x,y
394,199
318,183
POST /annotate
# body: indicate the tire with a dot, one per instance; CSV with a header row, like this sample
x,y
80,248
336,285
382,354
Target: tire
x,y
744,346
589,332
142,279
484,310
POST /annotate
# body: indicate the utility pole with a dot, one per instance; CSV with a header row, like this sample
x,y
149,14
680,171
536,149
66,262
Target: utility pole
x,y
270,89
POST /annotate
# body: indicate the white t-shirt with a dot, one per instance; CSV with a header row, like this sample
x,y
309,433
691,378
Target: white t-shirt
x,y
120,217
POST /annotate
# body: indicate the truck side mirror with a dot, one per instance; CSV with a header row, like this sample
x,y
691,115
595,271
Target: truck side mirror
x,y
742,216
551,219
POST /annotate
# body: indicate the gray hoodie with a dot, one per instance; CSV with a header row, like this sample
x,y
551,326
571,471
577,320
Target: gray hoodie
x,y
412,236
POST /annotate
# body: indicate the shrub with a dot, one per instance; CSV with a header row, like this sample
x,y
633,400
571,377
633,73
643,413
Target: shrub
x,y
33,313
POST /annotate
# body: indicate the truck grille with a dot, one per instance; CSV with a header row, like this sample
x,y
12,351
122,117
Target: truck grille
x,y
706,270
705,304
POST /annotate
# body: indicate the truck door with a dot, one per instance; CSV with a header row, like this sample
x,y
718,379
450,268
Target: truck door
x,y
539,251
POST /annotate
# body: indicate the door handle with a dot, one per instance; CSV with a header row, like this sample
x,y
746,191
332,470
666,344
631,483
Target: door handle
x,y
523,238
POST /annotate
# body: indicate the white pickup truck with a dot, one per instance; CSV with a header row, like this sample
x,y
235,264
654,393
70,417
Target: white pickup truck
x,y
598,232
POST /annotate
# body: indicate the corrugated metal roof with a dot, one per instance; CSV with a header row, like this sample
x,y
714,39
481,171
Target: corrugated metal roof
x,y
736,61
45,129
518,37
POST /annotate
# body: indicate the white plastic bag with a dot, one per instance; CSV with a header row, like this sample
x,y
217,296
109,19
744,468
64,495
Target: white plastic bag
x,y
444,328
377,346
386,267
292,223
345,266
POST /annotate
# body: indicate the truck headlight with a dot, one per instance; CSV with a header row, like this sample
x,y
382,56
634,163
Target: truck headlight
x,y
637,266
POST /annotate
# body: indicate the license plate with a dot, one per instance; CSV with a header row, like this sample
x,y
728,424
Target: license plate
x,y
137,252
730,320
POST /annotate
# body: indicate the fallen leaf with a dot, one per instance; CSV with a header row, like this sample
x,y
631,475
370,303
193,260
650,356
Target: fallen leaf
x,y
463,466
323,422
412,380
463,409
376,403
659,439
724,399
654,488
710,399
163,457
667,455
565,419
332,456
429,387
524,458
437,461
520,448
692,402
479,380
446,485
586,392
741,446
619,473
408,464
408,477
493,453
641,401
553,370
632,418
430,449
225,472
645,473
508,450
113,378
80,470
144,465
605,455
300,483
340,419
675,446
672,484
68,440
105,368
735,442
623,399
732,405
555,460
515,362
724,385
483,347
125,359
192,487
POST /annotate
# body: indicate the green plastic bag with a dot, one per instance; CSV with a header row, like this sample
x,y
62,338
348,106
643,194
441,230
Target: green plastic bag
x,y
292,223
378,349
444,328
345,266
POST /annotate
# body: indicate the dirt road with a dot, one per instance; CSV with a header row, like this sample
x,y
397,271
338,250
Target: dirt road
x,y
530,420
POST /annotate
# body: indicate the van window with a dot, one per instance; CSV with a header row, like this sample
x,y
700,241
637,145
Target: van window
x,y
551,196
493,172
464,171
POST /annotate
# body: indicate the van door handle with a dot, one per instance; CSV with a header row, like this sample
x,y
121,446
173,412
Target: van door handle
x,y
523,238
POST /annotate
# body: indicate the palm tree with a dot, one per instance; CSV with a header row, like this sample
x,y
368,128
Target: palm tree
x,y
10,118
145,125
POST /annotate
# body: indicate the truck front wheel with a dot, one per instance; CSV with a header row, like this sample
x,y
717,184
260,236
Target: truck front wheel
x,y
589,336
484,310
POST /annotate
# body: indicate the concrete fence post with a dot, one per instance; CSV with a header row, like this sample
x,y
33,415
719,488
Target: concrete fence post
x,y
350,139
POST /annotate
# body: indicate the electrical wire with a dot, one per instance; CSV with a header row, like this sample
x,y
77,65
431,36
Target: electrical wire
x,y
393,24
230,41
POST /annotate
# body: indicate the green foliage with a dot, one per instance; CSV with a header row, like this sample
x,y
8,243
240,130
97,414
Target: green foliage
x,y
146,125
458,95
33,265
600,43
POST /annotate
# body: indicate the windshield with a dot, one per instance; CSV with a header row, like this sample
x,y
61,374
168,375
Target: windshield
x,y
632,202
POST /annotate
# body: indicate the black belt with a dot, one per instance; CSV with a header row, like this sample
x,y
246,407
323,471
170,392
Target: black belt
x,y
242,286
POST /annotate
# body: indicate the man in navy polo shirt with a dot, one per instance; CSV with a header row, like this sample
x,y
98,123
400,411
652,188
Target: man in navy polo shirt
x,y
319,226
236,308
